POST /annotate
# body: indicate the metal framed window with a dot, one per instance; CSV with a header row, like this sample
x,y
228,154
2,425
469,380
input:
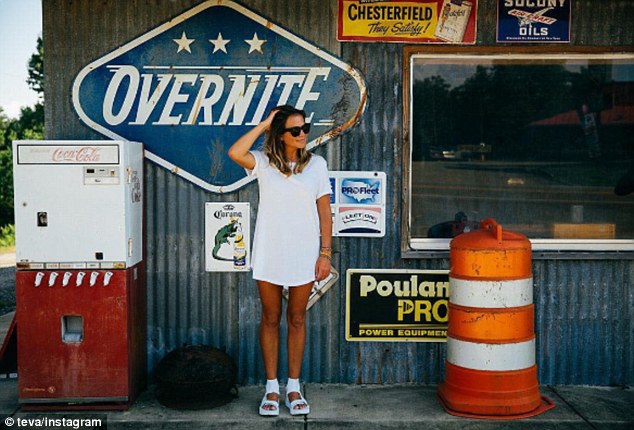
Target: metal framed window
x,y
538,139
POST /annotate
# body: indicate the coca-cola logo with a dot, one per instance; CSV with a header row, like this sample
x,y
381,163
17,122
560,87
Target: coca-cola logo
x,y
80,155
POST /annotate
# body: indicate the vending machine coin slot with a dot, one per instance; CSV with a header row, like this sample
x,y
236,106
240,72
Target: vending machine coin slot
x,y
42,219
101,175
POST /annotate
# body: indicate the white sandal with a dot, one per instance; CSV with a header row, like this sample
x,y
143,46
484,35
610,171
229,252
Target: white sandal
x,y
293,387
272,387
300,401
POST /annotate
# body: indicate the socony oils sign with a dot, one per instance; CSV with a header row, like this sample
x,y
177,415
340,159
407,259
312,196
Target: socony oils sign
x,y
190,87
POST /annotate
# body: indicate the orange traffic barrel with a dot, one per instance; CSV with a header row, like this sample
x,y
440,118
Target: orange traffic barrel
x,y
490,370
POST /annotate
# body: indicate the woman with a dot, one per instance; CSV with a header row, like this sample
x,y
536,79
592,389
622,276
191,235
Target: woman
x,y
292,242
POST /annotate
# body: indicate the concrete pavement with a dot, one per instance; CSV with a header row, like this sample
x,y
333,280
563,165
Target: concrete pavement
x,y
364,407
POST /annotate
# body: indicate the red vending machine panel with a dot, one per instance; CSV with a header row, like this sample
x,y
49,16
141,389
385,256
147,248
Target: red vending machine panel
x,y
81,337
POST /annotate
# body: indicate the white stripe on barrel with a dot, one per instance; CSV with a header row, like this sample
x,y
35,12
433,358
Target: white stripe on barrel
x,y
491,294
491,357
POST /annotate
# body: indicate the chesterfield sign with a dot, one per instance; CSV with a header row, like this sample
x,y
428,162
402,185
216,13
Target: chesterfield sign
x,y
190,87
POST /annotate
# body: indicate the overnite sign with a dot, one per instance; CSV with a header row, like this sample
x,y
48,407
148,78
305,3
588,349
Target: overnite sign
x,y
192,86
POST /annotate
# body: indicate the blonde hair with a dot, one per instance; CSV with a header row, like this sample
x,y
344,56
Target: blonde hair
x,y
274,147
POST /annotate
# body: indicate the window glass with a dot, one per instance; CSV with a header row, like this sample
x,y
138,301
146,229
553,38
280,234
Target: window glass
x,y
544,144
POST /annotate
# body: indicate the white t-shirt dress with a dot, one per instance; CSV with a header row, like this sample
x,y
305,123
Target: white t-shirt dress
x,y
286,241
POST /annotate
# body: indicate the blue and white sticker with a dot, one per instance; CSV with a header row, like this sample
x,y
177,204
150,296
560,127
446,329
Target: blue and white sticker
x,y
360,221
361,191
359,204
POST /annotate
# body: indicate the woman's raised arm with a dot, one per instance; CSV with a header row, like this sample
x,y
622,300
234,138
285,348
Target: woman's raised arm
x,y
239,151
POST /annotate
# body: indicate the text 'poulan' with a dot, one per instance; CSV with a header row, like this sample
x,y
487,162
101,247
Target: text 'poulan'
x,y
411,288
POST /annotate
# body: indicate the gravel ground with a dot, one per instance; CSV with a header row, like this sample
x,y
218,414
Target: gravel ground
x,y
7,290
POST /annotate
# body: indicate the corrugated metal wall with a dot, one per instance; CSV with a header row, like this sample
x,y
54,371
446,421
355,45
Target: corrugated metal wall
x,y
584,308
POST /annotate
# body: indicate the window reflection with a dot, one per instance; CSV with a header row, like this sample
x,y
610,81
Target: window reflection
x,y
544,146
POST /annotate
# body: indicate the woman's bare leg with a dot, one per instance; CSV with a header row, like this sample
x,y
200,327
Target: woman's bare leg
x,y
296,319
271,299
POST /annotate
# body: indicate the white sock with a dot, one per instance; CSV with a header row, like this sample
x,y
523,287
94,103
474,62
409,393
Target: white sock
x,y
293,386
272,386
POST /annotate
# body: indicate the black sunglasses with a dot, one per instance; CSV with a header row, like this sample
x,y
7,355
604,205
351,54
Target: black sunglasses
x,y
294,131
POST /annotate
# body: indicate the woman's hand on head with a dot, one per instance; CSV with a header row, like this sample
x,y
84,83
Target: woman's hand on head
x,y
269,119
239,151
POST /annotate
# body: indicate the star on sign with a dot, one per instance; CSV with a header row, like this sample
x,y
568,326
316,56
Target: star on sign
x,y
255,44
183,43
220,44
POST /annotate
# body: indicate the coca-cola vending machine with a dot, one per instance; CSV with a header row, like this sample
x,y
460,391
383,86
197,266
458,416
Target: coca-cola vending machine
x,y
80,279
